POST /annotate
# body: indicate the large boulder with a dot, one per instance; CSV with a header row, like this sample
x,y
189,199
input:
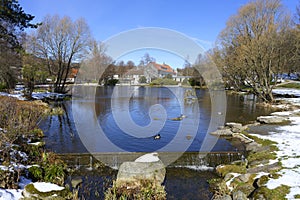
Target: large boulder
x,y
272,119
147,167
42,190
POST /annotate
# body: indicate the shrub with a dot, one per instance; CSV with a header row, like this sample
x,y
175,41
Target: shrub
x,y
36,173
142,189
164,81
3,87
55,174
112,82
17,119
143,79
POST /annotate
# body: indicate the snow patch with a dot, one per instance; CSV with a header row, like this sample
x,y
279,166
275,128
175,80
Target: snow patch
x,y
18,96
150,157
10,194
260,174
230,180
286,113
196,167
47,187
290,91
36,143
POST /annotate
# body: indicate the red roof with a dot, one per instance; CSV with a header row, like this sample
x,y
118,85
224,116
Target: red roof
x,y
164,67
73,73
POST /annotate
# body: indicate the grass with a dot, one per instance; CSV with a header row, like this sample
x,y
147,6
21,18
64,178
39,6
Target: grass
x,y
290,85
278,193
225,169
163,81
142,189
297,196
263,142
263,155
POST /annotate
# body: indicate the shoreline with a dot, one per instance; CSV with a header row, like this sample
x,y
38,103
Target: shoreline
x,y
269,171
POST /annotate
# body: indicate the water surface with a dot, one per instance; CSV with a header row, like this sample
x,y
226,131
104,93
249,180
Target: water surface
x,y
62,137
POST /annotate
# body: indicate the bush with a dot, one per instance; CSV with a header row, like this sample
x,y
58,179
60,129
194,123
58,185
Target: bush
x,y
143,79
112,82
193,82
143,189
36,173
55,174
164,81
3,87
51,169
18,119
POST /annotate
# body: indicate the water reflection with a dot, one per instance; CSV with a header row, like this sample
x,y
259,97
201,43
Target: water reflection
x,y
62,137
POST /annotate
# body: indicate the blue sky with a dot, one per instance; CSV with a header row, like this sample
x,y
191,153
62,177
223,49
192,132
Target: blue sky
x,y
201,20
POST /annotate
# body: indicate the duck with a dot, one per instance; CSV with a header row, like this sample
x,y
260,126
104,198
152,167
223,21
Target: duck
x,y
157,137
179,118
182,116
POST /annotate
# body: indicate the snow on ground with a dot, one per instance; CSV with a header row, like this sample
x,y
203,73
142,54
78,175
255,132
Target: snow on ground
x,y
289,91
14,194
10,194
18,95
288,142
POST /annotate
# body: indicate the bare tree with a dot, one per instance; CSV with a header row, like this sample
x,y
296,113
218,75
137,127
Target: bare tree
x,y
93,68
255,44
296,41
146,59
61,41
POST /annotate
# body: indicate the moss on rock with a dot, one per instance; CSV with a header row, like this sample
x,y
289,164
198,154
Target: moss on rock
x,y
222,170
278,193
30,192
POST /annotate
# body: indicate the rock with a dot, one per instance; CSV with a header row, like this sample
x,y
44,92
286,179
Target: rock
x,y
264,168
262,181
41,190
236,127
228,177
260,197
222,132
238,195
244,139
259,162
225,197
233,124
247,188
147,167
271,119
243,178
76,181
253,146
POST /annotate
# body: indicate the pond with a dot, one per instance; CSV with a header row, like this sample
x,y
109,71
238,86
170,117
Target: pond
x,y
62,137
126,115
